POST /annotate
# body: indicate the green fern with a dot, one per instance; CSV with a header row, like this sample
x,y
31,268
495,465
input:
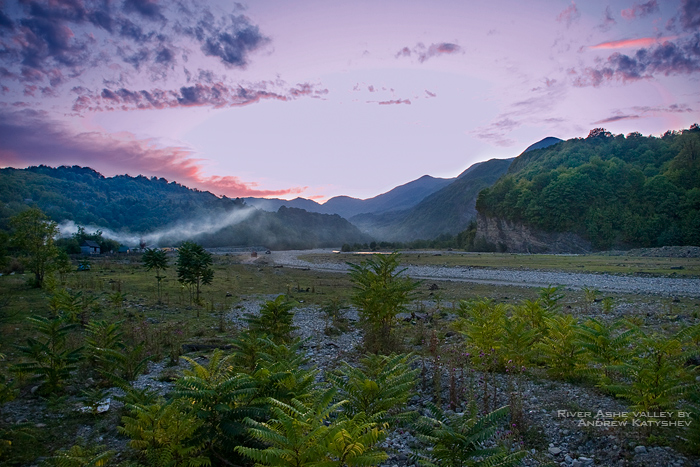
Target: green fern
x,y
379,385
353,442
654,376
164,435
605,346
81,456
560,350
460,440
296,433
275,320
482,323
220,399
50,358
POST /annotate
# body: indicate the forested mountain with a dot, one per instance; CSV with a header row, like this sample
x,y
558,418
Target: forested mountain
x,y
142,206
399,198
612,190
445,212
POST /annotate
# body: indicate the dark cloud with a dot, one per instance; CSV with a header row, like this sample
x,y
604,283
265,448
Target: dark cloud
x,y
6,22
423,53
608,20
230,38
616,118
147,8
669,58
640,10
215,95
28,137
44,39
77,35
690,14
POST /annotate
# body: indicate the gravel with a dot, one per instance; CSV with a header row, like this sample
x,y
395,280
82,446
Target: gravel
x,y
665,286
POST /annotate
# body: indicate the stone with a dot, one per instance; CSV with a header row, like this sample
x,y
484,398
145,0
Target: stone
x,y
554,450
640,449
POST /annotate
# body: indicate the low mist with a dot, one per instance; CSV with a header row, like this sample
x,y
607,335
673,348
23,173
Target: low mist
x,y
185,230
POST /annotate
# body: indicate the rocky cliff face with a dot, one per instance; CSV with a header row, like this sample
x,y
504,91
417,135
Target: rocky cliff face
x,y
520,238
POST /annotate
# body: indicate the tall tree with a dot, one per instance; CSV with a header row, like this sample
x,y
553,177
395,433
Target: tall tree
x,y
34,235
155,259
194,267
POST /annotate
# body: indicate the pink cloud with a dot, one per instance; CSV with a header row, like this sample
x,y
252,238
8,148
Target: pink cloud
x,y
395,101
32,139
625,43
569,15
640,10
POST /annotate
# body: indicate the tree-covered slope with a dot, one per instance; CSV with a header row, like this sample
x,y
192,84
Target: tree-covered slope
x,y
614,191
447,211
146,206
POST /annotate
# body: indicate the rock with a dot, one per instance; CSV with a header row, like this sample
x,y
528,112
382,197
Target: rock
x,y
554,450
640,449
586,460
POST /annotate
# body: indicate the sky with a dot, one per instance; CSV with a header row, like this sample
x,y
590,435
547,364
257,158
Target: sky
x,y
319,98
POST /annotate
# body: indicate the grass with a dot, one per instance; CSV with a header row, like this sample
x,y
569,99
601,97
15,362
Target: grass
x,y
629,265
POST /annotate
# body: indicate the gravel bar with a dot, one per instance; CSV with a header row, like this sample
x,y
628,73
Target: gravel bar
x,y
666,286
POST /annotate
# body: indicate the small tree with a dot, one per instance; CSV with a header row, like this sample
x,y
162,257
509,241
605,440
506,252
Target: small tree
x,y
155,259
34,235
381,293
194,267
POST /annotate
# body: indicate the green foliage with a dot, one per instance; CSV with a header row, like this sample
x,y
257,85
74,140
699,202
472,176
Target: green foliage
x,y
51,361
459,440
605,346
307,434
141,205
194,268
379,386
164,435
482,323
34,236
654,374
102,339
127,362
550,297
560,349
692,405
82,456
155,259
275,319
7,391
220,399
381,293
635,191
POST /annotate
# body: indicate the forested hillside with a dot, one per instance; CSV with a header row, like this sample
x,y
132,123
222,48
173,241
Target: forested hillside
x,y
140,205
614,190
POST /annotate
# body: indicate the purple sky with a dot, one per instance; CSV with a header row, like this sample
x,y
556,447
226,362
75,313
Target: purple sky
x,y
318,98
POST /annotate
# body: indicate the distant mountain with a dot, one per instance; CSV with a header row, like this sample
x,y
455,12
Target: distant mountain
x,y
543,143
162,212
447,211
400,198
